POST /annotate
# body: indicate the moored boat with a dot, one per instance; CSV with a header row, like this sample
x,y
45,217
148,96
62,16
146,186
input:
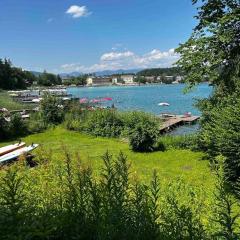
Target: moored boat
x,y
10,148
17,153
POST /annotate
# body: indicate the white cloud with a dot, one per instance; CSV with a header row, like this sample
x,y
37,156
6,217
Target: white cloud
x,y
111,56
78,11
127,60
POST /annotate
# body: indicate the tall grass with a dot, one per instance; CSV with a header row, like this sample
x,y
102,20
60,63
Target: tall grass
x,y
65,200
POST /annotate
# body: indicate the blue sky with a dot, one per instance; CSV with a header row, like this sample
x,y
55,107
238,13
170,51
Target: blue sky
x,y
93,35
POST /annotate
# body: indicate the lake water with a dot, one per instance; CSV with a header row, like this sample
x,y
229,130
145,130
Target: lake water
x,y
148,97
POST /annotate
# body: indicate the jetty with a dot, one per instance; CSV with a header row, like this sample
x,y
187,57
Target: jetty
x,y
171,121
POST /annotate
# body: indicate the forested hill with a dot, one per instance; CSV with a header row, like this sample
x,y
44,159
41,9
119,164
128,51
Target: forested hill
x,y
174,71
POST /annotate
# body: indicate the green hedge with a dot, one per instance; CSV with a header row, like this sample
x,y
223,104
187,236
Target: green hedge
x,y
140,128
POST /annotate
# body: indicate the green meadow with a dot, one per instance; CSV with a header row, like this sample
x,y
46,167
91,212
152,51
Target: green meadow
x,y
170,165
7,102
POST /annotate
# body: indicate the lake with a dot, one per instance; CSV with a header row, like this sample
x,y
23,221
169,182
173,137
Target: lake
x,y
148,97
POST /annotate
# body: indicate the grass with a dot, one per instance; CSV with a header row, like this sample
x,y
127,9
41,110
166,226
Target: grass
x,y
170,164
7,102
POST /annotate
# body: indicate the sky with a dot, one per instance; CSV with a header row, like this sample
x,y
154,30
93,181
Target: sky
x,y
63,36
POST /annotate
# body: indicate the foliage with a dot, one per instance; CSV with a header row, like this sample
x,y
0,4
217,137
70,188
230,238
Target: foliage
x,y
220,135
9,103
143,130
12,77
51,110
4,128
174,71
105,123
49,79
224,215
66,201
213,53
140,79
178,142
79,81
36,123
17,126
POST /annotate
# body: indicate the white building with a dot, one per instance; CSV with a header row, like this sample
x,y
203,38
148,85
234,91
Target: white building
x,y
91,81
128,79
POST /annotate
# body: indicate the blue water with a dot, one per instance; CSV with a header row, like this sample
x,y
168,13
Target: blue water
x,y
147,97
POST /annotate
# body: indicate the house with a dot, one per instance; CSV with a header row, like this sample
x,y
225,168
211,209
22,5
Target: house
x,y
169,78
150,79
179,78
128,79
98,81
116,79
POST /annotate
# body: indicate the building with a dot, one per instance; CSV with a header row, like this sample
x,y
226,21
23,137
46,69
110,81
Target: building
x,y
179,79
128,79
116,79
169,78
98,81
150,79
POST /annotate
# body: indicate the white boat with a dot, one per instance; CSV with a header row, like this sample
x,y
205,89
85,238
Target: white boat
x,y
164,104
17,153
10,148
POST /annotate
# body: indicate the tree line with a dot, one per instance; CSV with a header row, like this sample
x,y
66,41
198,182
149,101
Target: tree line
x,y
172,71
12,77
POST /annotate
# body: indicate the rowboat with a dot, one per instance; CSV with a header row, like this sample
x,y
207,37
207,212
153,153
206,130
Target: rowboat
x,y
10,148
17,153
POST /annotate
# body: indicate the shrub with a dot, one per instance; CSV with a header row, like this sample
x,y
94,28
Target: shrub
x,y
3,127
51,110
143,130
177,142
17,126
105,123
220,135
140,128
36,123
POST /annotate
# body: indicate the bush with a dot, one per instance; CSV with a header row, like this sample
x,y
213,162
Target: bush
x,y
3,127
105,123
143,130
36,123
177,142
17,126
140,128
51,110
220,134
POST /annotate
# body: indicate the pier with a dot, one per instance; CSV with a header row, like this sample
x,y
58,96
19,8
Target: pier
x,y
171,121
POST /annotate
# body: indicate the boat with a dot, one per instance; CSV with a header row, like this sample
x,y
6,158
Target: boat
x,y
10,148
163,104
17,153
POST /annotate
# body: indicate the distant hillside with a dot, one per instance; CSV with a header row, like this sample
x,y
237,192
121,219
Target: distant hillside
x,y
174,71
72,74
119,71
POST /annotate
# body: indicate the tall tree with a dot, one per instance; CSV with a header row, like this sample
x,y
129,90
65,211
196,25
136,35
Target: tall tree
x,y
213,50
213,53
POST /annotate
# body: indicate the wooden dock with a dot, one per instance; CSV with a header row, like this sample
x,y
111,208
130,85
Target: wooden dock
x,y
173,121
